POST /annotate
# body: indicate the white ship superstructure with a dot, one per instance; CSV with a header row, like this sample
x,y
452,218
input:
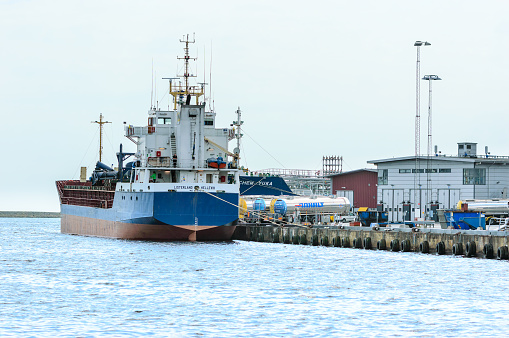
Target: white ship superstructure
x,y
180,185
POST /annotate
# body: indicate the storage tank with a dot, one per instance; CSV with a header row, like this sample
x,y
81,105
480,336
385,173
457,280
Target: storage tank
x,y
325,204
336,205
280,207
259,204
242,207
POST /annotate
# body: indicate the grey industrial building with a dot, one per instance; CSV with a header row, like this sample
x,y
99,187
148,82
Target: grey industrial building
x,y
413,187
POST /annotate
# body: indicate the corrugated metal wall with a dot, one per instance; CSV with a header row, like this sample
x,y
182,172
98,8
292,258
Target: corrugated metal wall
x,y
363,183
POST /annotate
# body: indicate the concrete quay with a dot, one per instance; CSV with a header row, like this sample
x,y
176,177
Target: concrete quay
x,y
468,243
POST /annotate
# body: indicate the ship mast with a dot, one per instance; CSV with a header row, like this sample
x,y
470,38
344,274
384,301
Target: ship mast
x,y
238,136
180,91
100,123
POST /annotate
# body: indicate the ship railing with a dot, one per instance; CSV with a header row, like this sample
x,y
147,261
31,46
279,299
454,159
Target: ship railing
x,y
479,156
288,172
188,165
85,187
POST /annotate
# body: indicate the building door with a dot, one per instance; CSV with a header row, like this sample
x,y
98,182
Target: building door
x,y
420,201
393,204
348,194
448,198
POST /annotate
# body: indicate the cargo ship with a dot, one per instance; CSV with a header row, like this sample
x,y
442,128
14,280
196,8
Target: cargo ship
x,y
179,185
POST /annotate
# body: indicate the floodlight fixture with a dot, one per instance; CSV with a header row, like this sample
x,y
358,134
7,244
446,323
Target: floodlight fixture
x,y
431,77
422,43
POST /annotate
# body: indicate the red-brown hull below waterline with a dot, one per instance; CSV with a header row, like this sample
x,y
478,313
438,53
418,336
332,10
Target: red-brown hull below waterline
x,y
77,225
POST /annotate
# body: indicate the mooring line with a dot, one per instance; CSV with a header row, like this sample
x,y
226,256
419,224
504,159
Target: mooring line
x,y
254,212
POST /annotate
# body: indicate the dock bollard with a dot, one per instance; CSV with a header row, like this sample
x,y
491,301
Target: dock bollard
x,y
345,242
303,239
367,243
470,250
395,245
440,248
381,245
488,250
502,252
457,249
324,241
336,241
357,243
314,240
405,245
424,247
295,239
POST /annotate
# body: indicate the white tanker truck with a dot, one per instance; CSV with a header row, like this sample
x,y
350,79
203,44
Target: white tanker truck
x,y
493,207
296,209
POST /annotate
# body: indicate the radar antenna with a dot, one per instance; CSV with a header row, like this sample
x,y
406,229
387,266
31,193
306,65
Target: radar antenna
x,y
180,91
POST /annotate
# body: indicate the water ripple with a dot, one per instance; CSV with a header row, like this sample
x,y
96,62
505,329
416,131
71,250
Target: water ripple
x,y
71,286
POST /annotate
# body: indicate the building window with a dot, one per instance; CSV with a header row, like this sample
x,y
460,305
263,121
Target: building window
x,y
474,176
383,176
418,171
445,171
405,171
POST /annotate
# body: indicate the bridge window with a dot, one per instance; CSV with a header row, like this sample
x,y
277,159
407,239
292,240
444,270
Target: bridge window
x,y
164,120
209,122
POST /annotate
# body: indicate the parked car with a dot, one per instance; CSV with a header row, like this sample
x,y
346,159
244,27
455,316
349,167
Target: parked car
x,y
351,217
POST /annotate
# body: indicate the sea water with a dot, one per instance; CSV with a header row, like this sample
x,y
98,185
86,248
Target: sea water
x,y
53,284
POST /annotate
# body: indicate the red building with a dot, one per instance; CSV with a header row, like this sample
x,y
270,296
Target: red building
x,y
359,186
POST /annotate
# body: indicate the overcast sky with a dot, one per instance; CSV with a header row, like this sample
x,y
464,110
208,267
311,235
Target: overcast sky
x,y
312,79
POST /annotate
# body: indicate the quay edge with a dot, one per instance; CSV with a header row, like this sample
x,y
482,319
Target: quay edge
x,y
455,242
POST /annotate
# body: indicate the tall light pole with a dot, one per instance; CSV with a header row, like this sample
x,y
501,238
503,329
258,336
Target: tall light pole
x,y
417,176
429,78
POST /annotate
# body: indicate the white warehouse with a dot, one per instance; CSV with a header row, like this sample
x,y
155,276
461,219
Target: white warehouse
x,y
414,188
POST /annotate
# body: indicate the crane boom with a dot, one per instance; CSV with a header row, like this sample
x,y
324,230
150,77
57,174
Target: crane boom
x,y
235,156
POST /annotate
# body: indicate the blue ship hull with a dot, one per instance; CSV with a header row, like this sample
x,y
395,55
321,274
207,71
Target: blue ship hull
x,y
264,185
157,216
187,208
